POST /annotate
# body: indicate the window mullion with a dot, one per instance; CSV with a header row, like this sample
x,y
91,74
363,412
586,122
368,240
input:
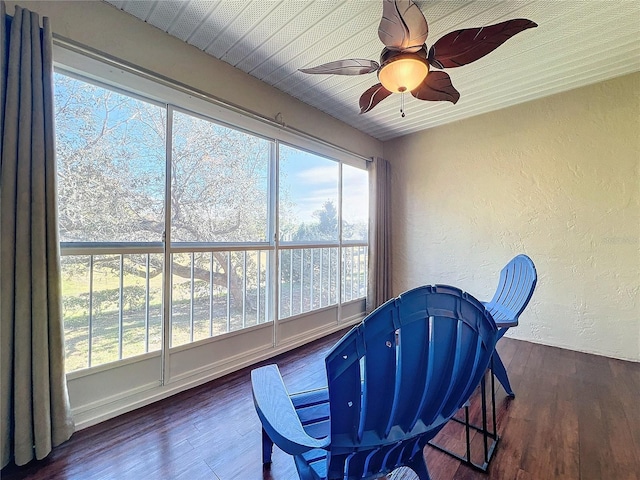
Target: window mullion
x,y
340,257
121,306
90,333
167,270
273,307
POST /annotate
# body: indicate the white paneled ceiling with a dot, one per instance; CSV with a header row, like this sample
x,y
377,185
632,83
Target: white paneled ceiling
x,y
576,43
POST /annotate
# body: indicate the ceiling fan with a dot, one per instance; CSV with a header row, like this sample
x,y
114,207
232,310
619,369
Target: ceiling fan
x,y
405,63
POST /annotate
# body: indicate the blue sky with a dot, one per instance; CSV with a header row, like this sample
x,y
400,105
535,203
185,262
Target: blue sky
x,y
312,180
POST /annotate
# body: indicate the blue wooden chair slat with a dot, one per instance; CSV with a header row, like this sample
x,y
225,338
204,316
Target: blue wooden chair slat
x,y
449,374
411,375
428,383
480,353
517,282
312,465
379,374
513,295
443,334
345,387
312,414
308,398
319,429
459,381
393,383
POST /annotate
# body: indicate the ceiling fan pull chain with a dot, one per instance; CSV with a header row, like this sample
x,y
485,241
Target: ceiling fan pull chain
x,y
402,104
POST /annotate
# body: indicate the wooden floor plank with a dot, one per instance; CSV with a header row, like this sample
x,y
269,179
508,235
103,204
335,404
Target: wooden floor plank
x,y
627,391
575,417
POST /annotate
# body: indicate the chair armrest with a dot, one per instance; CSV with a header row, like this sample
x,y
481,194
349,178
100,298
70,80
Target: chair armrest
x,y
278,415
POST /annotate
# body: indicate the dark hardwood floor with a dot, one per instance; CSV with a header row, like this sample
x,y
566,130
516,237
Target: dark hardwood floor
x,y
575,416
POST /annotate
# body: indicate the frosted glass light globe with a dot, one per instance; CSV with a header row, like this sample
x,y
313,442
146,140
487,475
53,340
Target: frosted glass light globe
x,y
403,74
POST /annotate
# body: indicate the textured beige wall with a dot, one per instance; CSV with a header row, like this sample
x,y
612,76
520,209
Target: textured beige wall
x,y
103,27
556,178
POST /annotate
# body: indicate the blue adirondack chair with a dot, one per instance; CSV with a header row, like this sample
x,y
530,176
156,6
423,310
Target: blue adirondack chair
x,y
393,382
517,281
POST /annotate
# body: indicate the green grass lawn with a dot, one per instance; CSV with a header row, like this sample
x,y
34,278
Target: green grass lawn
x,y
105,319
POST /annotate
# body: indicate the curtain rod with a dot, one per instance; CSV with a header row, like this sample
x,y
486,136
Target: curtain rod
x,y
184,88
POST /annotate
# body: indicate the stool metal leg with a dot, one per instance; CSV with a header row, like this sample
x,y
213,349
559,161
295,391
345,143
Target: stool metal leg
x,y
489,438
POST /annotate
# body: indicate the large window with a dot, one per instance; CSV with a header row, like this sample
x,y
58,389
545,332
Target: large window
x,y
176,228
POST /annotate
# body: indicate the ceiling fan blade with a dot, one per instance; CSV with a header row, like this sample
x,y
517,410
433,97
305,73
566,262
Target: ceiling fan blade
x,y
403,26
436,87
352,66
372,97
468,45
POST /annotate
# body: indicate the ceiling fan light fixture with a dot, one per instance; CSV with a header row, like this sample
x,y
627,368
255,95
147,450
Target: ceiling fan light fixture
x,y
403,72
404,61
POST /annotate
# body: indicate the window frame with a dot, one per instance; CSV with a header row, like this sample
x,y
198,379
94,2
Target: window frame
x,y
161,92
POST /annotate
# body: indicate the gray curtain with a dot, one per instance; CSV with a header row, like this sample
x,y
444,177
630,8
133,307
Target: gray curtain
x,y
34,402
379,285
